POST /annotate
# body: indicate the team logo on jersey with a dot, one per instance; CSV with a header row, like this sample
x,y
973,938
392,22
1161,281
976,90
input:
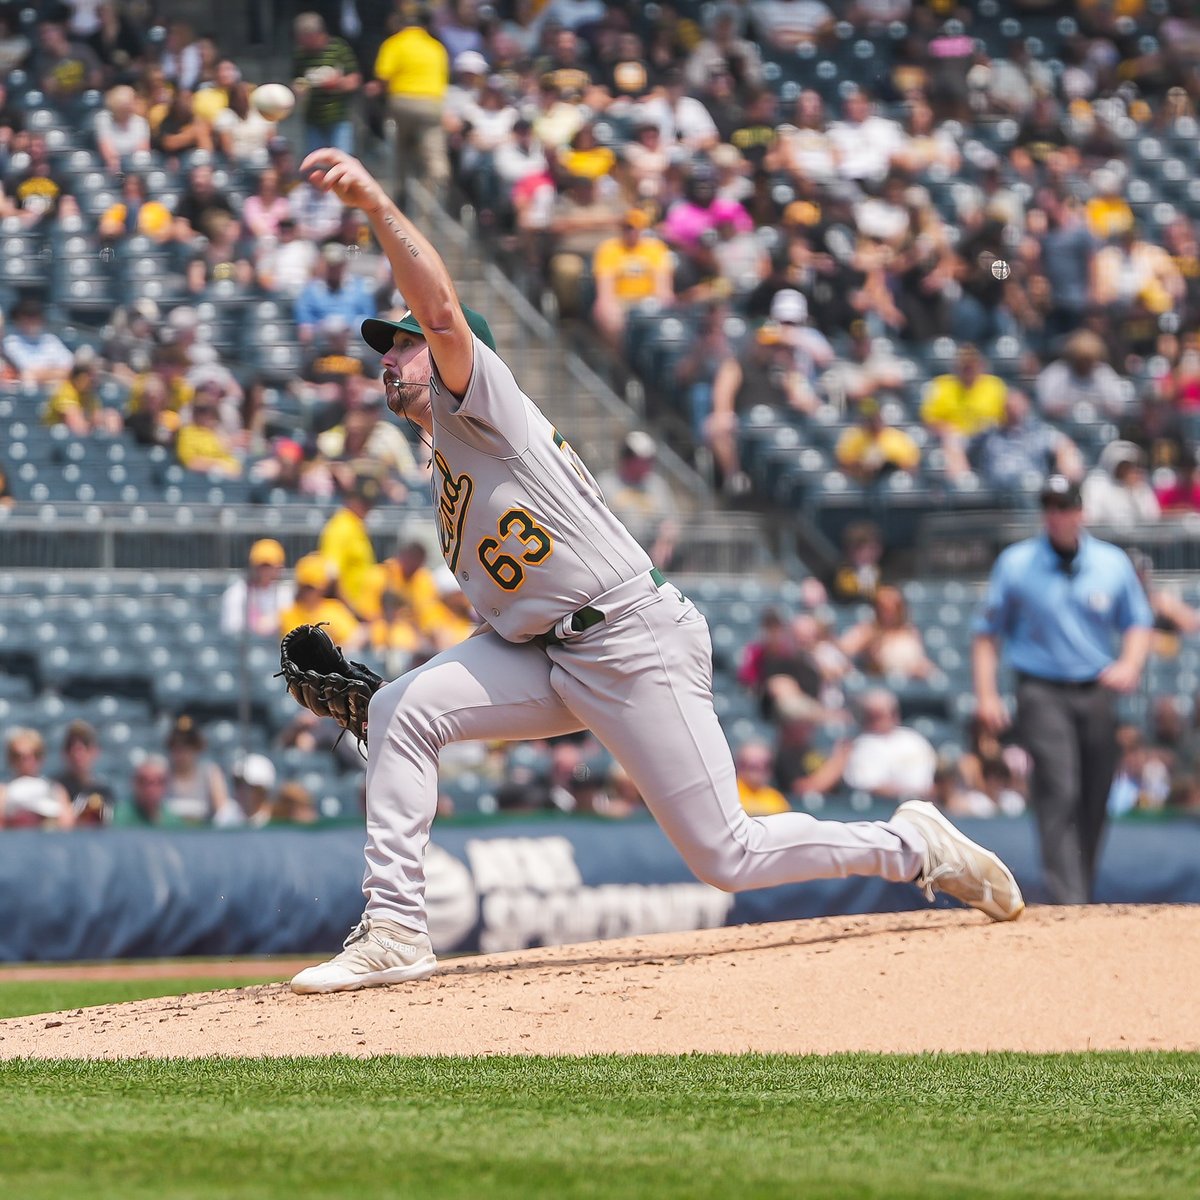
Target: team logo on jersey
x,y
451,499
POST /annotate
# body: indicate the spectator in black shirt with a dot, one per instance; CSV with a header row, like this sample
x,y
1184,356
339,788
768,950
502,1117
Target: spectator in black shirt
x,y
39,190
855,579
1040,139
14,45
91,798
152,423
979,313
327,76
180,130
198,203
718,95
624,70
64,68
332,359
566,64
118,44
755,135
12,123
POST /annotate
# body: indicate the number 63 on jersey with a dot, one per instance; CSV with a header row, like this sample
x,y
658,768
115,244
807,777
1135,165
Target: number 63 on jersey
x,y
508,570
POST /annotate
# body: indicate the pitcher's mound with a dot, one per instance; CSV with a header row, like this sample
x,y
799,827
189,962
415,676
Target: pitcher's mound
x,y
1058,979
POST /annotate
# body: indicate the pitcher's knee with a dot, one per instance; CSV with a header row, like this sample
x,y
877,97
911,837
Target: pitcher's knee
x,y
397,706
721,869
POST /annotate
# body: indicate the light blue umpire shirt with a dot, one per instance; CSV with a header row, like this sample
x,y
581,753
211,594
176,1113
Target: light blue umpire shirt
x,y
1058,625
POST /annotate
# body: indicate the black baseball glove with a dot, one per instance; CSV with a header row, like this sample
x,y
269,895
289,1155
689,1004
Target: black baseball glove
x,y
320,677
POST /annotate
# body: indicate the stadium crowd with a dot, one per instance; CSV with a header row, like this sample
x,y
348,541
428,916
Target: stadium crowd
x,y
950,244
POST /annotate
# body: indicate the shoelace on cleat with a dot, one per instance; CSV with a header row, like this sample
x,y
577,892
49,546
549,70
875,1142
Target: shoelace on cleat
x,y
357,934
929,883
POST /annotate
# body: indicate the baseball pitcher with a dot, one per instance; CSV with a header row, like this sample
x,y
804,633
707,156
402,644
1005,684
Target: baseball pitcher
x,y
580,632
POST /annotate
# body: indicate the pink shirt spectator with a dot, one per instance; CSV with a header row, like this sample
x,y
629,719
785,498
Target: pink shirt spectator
x,y
1182,496
263,219
686,223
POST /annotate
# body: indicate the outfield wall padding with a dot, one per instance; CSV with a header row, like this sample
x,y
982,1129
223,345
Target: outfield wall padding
x,y
120,893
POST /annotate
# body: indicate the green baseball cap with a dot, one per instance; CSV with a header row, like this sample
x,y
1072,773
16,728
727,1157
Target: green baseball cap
x,y
380,334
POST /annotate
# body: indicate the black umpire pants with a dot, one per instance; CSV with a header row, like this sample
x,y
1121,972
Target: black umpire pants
x,y
1069,731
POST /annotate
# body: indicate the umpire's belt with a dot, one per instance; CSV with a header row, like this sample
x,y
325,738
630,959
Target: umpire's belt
x,y
614,603
1074,685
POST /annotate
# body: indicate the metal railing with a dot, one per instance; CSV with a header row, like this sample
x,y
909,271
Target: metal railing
x,y
66,537
965,544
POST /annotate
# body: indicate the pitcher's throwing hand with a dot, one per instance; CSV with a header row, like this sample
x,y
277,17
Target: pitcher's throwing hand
x,y
342,174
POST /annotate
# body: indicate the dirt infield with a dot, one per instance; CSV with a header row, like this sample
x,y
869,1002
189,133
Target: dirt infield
x,y
1059,979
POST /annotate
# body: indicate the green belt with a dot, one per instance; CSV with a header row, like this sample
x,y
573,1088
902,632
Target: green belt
x,y
584,618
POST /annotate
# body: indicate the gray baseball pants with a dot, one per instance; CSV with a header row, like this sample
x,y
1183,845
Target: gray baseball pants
x,y
1069,731
641,681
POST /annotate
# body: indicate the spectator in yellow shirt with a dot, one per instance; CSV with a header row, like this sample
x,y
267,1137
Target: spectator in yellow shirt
x,y
586,157
414,69
394,634
969,400
1107,212
964,403
628,269
456,619
873,448
753,763
171,364
406,574
201,444
76,403
346,546
315,606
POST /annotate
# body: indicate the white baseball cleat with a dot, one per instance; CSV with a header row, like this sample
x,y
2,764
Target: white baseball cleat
x,y
957,866
376,953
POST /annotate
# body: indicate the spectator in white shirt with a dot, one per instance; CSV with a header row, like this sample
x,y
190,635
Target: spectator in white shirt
x,y
811,351
242,131
571,14
864,143
287,264
318,214
723,49
490,119
888,759
682,120
470,71
120,130
254,602
785,24
37,355
519,157
182,58
805,147
1081,375
1117,493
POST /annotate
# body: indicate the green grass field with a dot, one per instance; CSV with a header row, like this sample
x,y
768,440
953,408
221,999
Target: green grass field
x,y
19,999
971,1126
705,1126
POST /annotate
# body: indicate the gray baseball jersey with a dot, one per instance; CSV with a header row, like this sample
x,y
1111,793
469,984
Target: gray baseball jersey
x,y
512,497
526,531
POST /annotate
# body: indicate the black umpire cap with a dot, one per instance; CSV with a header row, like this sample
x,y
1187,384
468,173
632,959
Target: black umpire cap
x,y
1059,492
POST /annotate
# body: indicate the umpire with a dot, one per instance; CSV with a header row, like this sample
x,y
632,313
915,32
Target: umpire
x,y
1061,602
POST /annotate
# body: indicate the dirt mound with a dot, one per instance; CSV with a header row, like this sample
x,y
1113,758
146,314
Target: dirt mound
x,y
1058,979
